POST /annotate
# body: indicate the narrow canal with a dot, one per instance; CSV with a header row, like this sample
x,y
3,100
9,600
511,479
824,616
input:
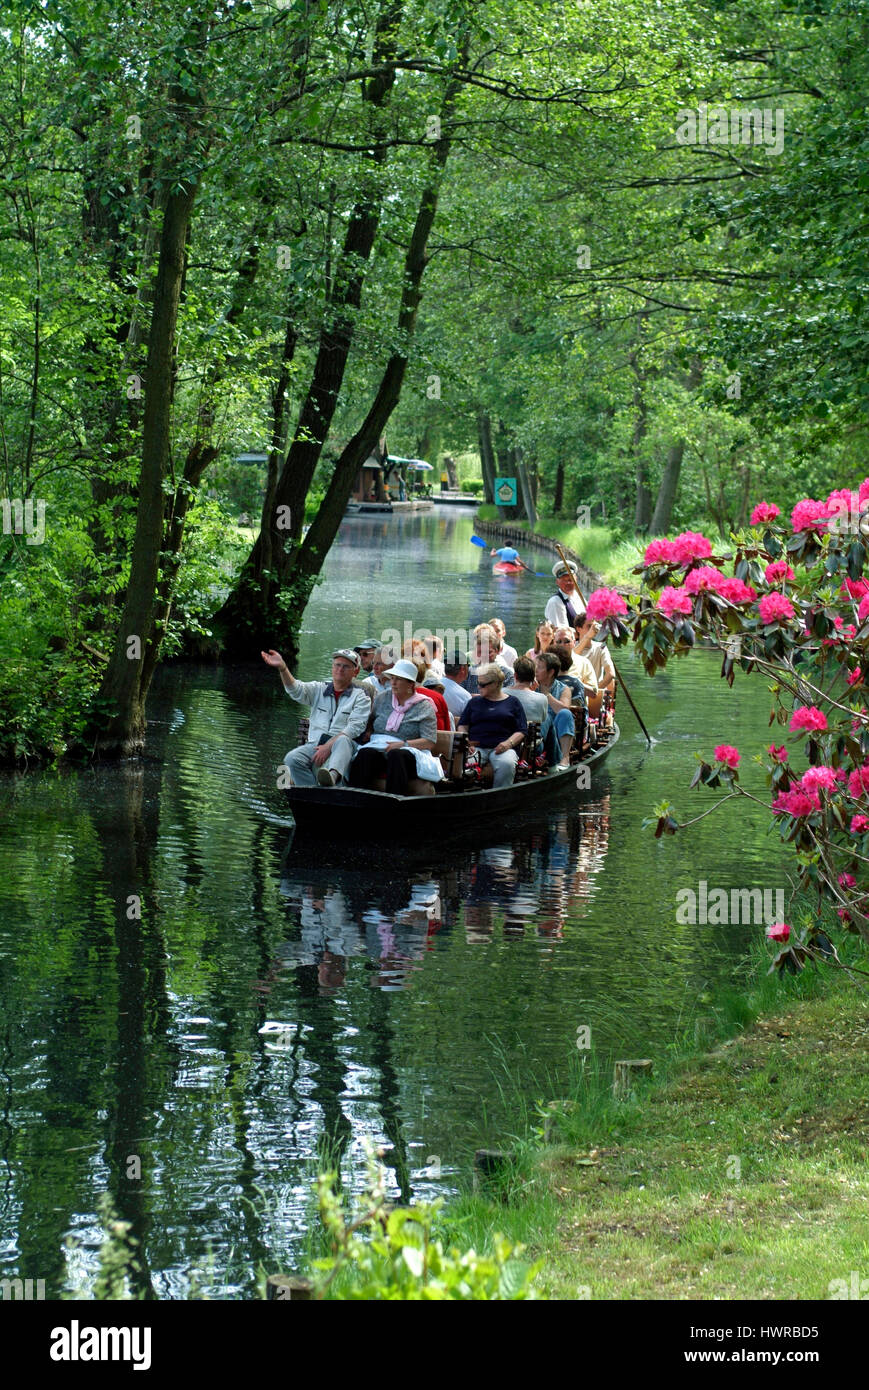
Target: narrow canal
x,y
154,917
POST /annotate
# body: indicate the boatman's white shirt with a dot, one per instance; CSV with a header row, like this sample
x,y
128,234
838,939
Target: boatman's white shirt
x,y
556,612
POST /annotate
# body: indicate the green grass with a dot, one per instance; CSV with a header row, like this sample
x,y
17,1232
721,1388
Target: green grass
x,y
735,1173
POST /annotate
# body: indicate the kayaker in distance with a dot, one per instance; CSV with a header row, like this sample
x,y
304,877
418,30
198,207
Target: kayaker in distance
x,y
507,555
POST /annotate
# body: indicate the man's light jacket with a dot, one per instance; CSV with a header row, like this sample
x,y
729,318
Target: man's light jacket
x,y
349,715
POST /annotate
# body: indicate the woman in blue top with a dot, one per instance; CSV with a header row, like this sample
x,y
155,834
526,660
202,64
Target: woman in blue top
x,y
495,723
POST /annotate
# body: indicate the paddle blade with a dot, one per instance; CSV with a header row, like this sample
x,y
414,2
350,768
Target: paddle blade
x,y
477,540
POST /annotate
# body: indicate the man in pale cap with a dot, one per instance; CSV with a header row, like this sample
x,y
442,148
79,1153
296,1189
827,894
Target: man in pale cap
x,y
339,714
564,608
367,649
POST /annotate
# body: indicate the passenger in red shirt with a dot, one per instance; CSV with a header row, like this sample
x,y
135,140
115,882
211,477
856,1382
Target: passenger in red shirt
x,y
441,708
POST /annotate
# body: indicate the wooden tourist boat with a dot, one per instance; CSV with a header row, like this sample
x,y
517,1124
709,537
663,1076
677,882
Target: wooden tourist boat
x,y
450,809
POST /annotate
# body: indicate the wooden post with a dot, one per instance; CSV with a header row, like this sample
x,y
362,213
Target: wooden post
x,y
492,1166
625,1074
556,1110
288,1288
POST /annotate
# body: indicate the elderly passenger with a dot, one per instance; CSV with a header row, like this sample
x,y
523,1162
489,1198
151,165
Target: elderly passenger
x,y
496,724
339,713
401,736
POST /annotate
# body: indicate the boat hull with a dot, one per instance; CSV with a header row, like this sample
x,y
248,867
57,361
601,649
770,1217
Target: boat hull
x,y
350,813
506,567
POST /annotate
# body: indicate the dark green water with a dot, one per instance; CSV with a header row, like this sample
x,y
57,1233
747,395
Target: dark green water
x,y
427,999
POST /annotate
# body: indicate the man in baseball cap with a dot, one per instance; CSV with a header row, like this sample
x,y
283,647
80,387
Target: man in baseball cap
x,y
339,713
368,649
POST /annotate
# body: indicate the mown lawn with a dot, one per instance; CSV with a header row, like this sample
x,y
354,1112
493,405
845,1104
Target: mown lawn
x,y
743,1176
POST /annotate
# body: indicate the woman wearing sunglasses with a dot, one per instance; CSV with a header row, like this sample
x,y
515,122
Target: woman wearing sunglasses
x,y
496,724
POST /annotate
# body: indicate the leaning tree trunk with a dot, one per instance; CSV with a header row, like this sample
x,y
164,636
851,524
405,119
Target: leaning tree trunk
x,y
253,606
125,684
643,506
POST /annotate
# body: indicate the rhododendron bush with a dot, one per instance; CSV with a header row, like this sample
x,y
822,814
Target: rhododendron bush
x,y
786,602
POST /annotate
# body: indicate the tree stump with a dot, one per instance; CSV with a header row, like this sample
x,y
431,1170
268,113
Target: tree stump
x,y
288,1288
626,1073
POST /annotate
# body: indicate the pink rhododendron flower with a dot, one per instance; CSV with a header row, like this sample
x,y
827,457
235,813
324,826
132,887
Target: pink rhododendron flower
x,y
847,881
779,931
858,781
863,610
779,569
863,491
775,608
856,676
705,580
795,803
826,777
857,588
764,512
859,825
734,590
726,753
808,717
605,603
778,755
809,515
658,552
674,600
690,545
841,505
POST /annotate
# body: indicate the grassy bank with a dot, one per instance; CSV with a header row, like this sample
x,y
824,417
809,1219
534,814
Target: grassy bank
x,y
737,1173
611,558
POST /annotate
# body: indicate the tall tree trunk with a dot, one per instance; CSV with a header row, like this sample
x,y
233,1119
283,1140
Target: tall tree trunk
x,y
452,472
525,488
668,488
643,507
558,497
487,455
123,685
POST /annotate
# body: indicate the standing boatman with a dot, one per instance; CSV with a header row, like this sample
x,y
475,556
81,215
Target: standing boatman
x,y
564,608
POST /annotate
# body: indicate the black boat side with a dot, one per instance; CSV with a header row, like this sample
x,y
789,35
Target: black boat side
x,y
354,813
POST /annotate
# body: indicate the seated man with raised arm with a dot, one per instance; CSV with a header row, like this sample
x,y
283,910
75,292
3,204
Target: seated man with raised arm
x,y
339,714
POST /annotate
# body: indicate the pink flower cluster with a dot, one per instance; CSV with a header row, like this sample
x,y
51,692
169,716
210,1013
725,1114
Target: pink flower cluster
x,y
674,601
855,676
856,588
726,753
778,755
847,881
779,569
809,515
707,579
764,513
795,803
859,825
775,608
779,931
735,590
687,546
605,603
863,610
808,717
826,777
858,782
